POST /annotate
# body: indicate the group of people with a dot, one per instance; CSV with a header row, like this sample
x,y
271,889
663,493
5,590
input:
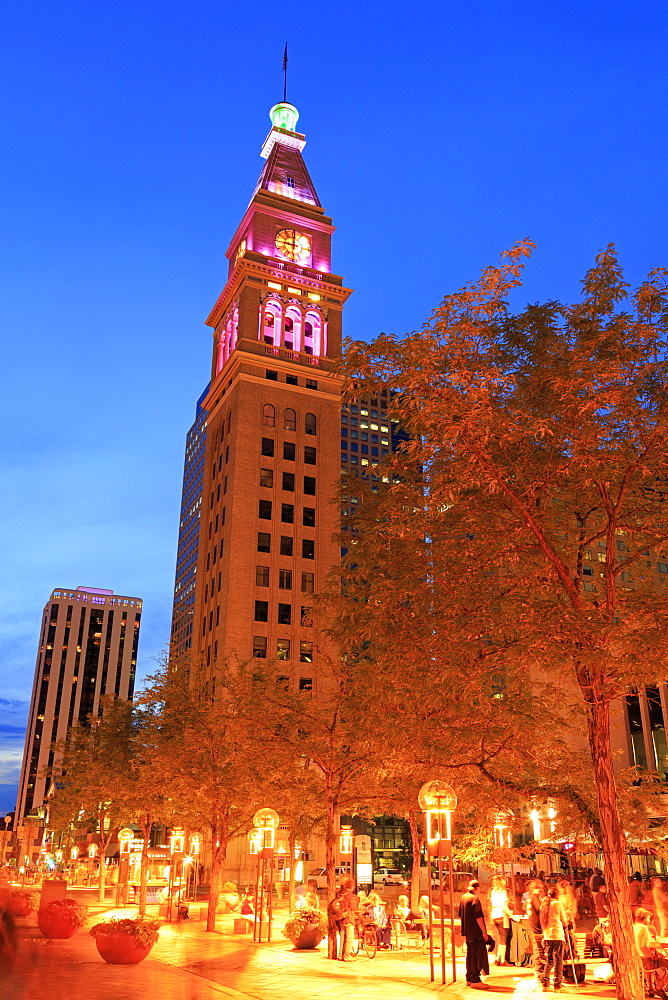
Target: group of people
x,y
349,911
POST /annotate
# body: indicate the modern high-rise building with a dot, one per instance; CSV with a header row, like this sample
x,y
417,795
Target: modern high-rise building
x,y
189,524
87,649
272,455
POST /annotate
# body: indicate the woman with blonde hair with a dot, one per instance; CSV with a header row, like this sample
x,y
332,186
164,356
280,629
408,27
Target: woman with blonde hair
x,y
501,916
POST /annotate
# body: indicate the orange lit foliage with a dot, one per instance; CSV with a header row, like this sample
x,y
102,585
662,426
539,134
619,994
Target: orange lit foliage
x,y
537,441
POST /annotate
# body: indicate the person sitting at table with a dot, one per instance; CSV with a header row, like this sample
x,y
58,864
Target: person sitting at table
x,y
421,918
376,915
652,958
402,909
601,903
248,908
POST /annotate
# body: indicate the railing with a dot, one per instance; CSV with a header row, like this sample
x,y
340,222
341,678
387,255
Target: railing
x,y
279,352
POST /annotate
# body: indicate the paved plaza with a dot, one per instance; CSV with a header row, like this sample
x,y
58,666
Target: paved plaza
x,y
190,964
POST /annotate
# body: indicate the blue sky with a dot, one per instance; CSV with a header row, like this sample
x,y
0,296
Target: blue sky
x,y
438,134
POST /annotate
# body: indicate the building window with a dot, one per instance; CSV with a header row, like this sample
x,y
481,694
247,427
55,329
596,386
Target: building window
x,y
309,456
261,576
290,420
286,545
267,477
308,581
309,423
291,380
285,579
309,485
289,451
261,611
283,682
290,181
260,647
308,548
273,377
306,685
311,383
287,513
306,618
268,447
284,613
265,510
283,649
263,541
268,415
289,482
306,652
662,567
308,517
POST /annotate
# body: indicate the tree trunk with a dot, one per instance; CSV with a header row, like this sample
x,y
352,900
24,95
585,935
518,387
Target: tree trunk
x,y
218,854
143,875
628,972
415,851
293,866
330,838
102,845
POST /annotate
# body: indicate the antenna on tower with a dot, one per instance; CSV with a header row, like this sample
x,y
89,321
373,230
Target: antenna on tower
x,y
285,73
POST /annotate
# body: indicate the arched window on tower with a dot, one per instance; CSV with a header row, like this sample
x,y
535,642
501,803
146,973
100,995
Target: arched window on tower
x,y
290,420
271,323
268,415
310,423
292,328
312,334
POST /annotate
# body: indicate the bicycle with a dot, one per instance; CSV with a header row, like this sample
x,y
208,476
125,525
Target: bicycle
x,y
365,938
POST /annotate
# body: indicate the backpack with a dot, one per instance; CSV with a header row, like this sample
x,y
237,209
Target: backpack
x,y
336,908
545,912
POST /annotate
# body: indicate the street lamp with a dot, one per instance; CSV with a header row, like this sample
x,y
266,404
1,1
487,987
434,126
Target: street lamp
x,y
346,840
438,801
266,822
503,839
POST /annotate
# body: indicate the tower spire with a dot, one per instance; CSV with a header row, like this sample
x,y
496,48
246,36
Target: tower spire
x,y
285,74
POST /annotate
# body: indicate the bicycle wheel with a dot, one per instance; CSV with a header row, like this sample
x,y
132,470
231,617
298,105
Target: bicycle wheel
x,y
370,942
357,941
400,936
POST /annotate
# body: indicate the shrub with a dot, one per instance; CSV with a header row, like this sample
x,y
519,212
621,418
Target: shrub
x,y
67,909
302,918
144,932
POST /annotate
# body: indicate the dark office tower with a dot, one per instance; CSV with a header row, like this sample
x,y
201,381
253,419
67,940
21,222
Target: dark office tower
x,y
272,455
189,525
87,648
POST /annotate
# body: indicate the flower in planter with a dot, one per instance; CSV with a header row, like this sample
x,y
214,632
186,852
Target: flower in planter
x,y
66,909
302,918
144,932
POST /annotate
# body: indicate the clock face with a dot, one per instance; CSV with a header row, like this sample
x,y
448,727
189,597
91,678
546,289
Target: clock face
x,y
293,245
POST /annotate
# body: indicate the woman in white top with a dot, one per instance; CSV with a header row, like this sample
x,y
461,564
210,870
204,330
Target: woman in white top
x,y
501,916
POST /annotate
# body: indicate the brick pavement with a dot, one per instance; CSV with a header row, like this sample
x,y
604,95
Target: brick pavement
x,y
189,964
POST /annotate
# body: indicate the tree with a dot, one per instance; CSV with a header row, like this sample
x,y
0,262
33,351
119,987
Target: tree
x,y
531,499
92,776
207,755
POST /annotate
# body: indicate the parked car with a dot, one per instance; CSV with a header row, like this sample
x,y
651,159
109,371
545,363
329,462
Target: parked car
x,y
388,876
318,877
460,880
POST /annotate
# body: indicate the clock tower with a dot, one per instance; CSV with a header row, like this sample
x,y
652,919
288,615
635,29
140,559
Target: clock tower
x,y
272,457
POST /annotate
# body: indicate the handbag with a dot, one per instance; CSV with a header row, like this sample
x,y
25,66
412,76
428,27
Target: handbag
x,y
604,973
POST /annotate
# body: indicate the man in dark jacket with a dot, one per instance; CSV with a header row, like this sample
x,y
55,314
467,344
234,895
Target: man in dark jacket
x,y
475,932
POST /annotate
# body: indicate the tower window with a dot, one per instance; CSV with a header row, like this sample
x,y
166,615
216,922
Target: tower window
x,y
261,576
272,376
268,447
312,384
287,513
308,548
309,423
283,649
306,685
309,456
268,415
284,613
263,541
309,485
267,477
289,482
290,181
264,510
260,647
285,579
307,583
290,420
289,453
291,380
309,517
306,652
286,545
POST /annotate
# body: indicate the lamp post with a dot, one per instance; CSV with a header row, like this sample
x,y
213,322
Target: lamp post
x,y
346,851
266,822
195,848
438,801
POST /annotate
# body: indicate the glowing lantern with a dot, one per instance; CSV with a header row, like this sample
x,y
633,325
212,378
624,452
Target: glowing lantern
x,y
346,840
59,856
298,850
177,840
502,834
124,837
74,853
535,821
195,843
266,821
92,850
255,841
438,801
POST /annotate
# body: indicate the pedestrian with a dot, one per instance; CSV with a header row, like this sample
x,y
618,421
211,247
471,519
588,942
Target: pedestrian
x,y
660,897
350,904
636,894
336,924
247,911
567,899
536,896
553,921
596,880
474,931
501,915
601,903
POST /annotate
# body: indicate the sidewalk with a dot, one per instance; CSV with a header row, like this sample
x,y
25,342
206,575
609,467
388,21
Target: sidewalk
x,y
190,964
